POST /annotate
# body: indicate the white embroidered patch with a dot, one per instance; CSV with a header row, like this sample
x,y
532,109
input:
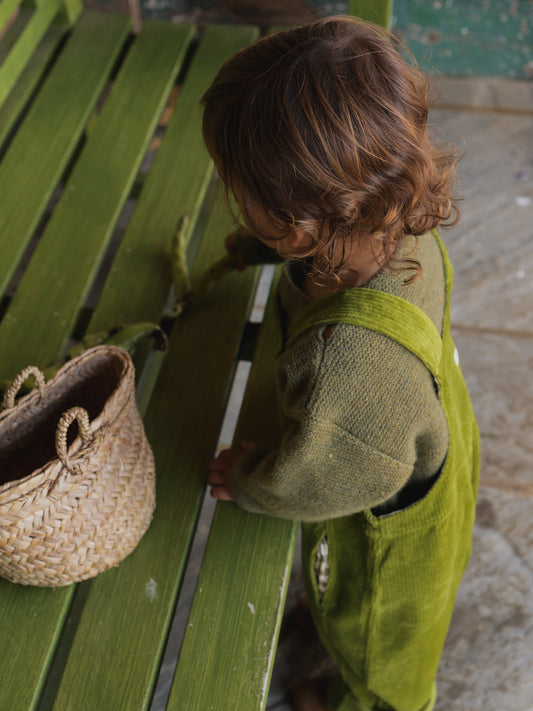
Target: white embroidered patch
x,y
456,357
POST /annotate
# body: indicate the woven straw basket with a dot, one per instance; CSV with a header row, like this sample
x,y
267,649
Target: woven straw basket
x,y
73,503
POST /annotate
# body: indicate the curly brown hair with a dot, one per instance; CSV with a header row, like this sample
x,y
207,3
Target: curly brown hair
x,y
324,128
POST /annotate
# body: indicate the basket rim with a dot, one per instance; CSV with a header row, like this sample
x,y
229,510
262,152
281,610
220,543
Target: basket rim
x,y
116,402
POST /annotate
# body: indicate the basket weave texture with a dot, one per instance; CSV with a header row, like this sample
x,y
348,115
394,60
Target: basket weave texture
x,y
73,504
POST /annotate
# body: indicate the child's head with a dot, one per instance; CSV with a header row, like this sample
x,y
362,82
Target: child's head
x,y
322,131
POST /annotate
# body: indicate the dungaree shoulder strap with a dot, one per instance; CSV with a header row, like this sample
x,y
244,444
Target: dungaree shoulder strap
x,y
376,310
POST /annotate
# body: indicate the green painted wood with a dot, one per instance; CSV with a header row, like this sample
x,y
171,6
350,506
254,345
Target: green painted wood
x,y
31,620
28,80
41,318
19,56
72,9
13,32
7,8
229,647
458,39
38,155
175,186
123,626
377,11
123,629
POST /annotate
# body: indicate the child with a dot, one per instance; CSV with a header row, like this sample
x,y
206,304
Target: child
x,y
320,133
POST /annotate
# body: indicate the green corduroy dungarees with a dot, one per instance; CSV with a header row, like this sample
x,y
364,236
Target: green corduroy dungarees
x,y
393,579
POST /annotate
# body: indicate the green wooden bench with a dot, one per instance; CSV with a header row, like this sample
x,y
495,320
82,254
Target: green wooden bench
x,y
87,215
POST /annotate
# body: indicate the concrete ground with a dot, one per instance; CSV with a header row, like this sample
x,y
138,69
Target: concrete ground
x,y
489,654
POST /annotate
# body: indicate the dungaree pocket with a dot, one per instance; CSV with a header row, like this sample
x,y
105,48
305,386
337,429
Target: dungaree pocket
x,y
316,556
322,568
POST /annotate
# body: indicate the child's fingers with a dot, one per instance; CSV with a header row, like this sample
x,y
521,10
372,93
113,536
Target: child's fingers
x,y
222,459
215,472
220,493
216,464
226,458
218,471
216,478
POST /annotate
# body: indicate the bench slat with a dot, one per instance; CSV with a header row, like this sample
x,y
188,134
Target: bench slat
x,y
7,8
229,647
19,55
123,629
41,316
31,620
43,145
28,80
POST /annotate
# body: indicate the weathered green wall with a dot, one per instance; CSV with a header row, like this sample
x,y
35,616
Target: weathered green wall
x,y
454,37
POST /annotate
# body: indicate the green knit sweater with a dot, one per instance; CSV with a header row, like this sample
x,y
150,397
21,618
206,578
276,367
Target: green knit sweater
x,y
363,423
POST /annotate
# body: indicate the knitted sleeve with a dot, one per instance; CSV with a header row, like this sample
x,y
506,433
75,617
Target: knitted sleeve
x,y
306,478
362,419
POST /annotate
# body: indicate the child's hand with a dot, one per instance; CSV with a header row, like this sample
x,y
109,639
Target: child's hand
x,y
231,243
219,471
231,248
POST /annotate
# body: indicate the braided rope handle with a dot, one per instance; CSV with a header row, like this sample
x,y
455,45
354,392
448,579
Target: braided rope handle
x,y
82,417
11,392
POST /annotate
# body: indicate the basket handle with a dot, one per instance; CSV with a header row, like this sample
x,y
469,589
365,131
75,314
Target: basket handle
x,y
11,392
82,417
